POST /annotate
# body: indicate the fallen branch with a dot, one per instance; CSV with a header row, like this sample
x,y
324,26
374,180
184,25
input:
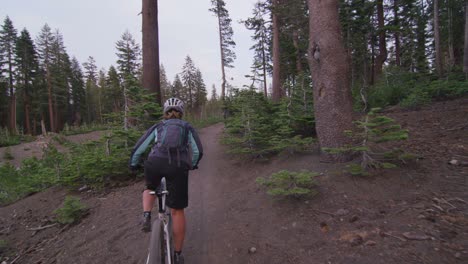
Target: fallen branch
x,y
463,126
458,200
323,212
397,237
41,227
15,259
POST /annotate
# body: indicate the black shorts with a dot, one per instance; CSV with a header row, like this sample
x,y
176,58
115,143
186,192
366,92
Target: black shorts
x,y
176,178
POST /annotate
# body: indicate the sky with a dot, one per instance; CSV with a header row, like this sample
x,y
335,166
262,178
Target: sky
x,y
186,27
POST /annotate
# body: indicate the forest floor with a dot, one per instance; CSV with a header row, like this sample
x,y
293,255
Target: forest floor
x,y
412,214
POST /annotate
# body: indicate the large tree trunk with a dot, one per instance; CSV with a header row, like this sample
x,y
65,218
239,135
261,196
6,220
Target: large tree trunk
x,y
438,51
276,82
151,78
330,77
465,55
382,57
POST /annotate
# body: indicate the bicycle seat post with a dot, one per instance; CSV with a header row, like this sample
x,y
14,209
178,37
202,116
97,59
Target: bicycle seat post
x,y
162,196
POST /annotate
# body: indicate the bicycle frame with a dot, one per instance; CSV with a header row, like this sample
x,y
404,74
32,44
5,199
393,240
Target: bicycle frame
x,y
162,223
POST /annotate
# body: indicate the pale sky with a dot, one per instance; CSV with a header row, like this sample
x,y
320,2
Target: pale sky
x,y
186,27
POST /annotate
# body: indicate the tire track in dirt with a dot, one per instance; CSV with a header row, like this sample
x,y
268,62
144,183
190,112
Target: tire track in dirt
x,y
207,208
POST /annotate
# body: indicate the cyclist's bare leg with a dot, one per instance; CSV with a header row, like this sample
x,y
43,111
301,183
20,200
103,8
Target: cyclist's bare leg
x,y
148,201
178,228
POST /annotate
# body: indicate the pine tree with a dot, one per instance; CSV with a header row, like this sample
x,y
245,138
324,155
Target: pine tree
x,y
44,43
165,84
178,88
226,42
92,90
26,72
261,37
78,93
8,36
114,92
128,65
128,56
60,75
200,92
189,79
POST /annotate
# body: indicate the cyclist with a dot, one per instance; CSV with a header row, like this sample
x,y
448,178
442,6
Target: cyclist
x,y
174,166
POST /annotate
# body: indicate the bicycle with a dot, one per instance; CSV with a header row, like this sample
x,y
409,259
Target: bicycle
x,y
161,243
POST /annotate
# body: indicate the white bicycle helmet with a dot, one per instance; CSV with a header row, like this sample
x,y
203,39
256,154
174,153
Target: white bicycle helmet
x,y
174,104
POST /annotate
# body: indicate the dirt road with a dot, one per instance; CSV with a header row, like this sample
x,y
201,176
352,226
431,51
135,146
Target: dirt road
x,y
412,214
110,234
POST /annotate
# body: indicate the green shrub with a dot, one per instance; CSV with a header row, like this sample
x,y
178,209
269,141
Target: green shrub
x,y
7,154
258,128
289,184
416,99
3,247
370,135
71,212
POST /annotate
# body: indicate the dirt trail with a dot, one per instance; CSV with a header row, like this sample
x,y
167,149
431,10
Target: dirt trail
x,y
414,214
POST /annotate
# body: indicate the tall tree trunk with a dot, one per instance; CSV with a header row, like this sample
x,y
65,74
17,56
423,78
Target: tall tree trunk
x,y
438,51
298,53
397,33
13,128
264,67
451,51
382,57
151,78
330,77
276,85
50,101
27,110
465,55
223,71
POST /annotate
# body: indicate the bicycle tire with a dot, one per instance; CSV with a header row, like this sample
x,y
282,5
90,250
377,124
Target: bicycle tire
x,y
156,249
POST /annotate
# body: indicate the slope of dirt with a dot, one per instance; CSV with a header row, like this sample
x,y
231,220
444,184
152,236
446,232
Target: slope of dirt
x,y
413,214
35,148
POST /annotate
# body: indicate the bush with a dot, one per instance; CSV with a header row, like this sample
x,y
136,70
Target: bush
x,y
413,89
71,212
369,137
96,164
258,128
289,184
7,154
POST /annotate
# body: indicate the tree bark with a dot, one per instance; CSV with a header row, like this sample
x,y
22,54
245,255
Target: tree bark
x,y
150,29
276,82
382,57
330,77
465,55
438,51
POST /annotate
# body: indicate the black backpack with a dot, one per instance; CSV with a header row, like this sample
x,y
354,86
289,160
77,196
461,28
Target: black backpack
x,y
172,138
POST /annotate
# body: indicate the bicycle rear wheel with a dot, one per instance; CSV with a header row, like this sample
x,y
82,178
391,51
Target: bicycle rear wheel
x,y
156,253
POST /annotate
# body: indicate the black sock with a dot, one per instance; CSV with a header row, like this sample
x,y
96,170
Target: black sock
x,y
147,213
177,252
